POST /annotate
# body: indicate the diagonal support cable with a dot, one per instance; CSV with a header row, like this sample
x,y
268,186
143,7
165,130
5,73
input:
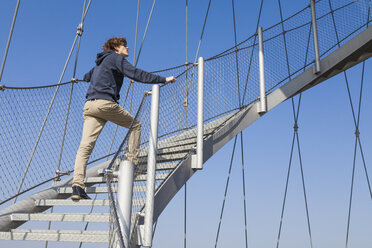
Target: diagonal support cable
x,y
356,124
79,33
144,35
295,136
244,198
9,39
359,108
49,109
351,195
224,198
236,53
252,52
241,133
185,201
285,192
45,119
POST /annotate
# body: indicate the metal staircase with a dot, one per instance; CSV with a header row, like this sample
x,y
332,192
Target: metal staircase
x,y
173,149
174,161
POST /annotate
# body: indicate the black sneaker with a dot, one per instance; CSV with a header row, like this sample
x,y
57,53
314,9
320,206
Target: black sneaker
x,y
78,193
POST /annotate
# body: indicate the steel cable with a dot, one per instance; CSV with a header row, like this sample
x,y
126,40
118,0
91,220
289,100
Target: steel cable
x,y
108,174
236,52
45,119
244,198
285,192
9,39
144,35
49,109
241,133
172,130
225,194
188,85
80,33
186,65
356,124
131,81
295,135
131,84
253,46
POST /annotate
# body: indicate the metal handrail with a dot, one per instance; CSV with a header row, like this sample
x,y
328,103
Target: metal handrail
x,y
109,174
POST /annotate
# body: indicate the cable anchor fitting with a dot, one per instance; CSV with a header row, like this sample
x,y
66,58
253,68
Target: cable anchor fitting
x,y
185,102
295,127
108,173
80,30
357,133
2,87
61,173
74,80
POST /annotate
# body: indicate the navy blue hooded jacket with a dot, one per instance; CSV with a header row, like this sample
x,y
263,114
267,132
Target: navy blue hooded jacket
x,y
106,78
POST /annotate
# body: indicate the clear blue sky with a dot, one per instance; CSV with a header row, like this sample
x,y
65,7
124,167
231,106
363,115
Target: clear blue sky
x,y
44,33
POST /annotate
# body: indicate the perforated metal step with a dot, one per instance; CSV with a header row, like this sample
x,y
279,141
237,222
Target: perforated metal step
x,y
89,190
69,202
158,176
62,217
56,235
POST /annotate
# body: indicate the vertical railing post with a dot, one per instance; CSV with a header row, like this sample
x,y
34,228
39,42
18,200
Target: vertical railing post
x,y
125,193
262,106
151,163
315,37
199,143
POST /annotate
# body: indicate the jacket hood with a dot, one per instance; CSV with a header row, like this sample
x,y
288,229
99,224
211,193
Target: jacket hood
x,y
101,56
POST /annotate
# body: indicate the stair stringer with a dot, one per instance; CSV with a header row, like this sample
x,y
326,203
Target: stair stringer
x,y
350,54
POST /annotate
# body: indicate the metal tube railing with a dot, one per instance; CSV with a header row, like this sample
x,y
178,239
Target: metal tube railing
x,y
315,37
151,163
262,105
125,193
199,143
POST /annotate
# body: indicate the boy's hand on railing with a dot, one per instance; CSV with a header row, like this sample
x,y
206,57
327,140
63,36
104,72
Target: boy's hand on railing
x,y
170,79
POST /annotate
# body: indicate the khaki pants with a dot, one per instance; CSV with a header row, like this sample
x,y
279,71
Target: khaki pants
x,y
96,114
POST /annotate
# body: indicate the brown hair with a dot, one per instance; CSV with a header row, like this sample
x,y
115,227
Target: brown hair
x,y
112,43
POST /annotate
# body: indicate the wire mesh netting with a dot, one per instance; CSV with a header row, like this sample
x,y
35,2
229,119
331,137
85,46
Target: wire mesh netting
x,y
34,151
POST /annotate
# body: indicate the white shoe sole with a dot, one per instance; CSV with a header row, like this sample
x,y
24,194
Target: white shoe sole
x,y
75,197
